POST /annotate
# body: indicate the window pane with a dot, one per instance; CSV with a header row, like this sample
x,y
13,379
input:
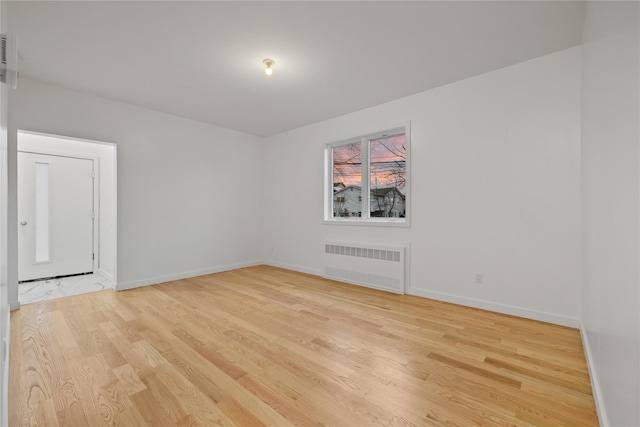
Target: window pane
x,y
347,180
42,212
388,167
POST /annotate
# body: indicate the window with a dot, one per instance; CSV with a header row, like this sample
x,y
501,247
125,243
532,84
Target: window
x,y
369,175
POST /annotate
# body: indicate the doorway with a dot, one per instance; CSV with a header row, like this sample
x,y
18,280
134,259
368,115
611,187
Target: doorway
x,y
66,216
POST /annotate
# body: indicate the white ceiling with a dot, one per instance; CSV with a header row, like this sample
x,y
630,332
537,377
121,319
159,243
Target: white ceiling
x,y
203,60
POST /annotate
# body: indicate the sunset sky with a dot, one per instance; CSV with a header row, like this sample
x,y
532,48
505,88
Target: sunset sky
x,y
387,159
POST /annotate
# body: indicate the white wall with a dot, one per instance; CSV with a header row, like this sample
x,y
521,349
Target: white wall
x,y
108,212
610,208
495,189
188,202
5,326
104,156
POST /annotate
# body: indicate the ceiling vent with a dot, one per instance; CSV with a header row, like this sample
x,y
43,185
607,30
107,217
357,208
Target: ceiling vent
x,y
9,60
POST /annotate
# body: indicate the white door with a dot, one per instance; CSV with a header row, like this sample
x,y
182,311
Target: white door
x,y
55,216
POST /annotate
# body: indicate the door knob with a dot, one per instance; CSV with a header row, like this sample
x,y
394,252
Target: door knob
x,y
23,222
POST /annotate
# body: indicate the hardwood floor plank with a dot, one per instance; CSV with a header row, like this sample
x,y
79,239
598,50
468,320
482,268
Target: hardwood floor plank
x,y
129,379
210,354
37,387
194,402
263,346
75,317
237,414
129,417
72,416
555,378
130,351
282,404
101,395
166,399
17,381
151,410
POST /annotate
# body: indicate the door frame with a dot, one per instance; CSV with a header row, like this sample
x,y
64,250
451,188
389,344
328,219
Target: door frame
x,y
97,169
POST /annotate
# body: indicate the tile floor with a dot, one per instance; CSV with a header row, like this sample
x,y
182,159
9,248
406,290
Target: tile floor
x,y
45,290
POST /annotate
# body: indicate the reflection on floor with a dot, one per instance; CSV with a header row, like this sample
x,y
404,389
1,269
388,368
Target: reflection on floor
x,y
45,290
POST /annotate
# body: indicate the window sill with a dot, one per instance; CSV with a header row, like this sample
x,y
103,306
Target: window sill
x,y
373,222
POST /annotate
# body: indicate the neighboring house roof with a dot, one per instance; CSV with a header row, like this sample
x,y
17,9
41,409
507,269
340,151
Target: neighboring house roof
x,y
352,187
381,192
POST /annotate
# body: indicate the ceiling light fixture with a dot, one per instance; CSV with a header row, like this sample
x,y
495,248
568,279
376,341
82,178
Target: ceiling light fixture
x,y
268,63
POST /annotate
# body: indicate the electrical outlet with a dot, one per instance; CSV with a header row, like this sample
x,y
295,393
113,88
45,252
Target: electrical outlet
x,y
478,278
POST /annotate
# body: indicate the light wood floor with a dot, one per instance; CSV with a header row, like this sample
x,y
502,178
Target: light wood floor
x,y
264,346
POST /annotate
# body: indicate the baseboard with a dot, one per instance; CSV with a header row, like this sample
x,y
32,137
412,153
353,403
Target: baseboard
x,y
512,310
595,384
291,267
542,316
106,275
184,275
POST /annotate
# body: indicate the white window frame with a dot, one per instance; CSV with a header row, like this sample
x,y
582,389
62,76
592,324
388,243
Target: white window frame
x,y
366,218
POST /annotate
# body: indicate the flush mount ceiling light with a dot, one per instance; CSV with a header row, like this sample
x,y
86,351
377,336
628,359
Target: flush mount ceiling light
x,y
268,63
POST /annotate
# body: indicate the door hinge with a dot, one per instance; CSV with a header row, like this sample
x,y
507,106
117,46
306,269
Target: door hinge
x,y
93,256
93,215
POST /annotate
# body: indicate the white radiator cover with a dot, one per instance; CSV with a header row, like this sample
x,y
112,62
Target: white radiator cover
x,y
380,266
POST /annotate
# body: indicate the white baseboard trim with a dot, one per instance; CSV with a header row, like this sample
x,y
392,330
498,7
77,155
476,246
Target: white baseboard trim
x,y
184,275
595,384
291,267
106,275
542,316
526,313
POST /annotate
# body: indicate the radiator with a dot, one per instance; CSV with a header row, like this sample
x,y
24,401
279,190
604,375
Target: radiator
x,y
372,265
